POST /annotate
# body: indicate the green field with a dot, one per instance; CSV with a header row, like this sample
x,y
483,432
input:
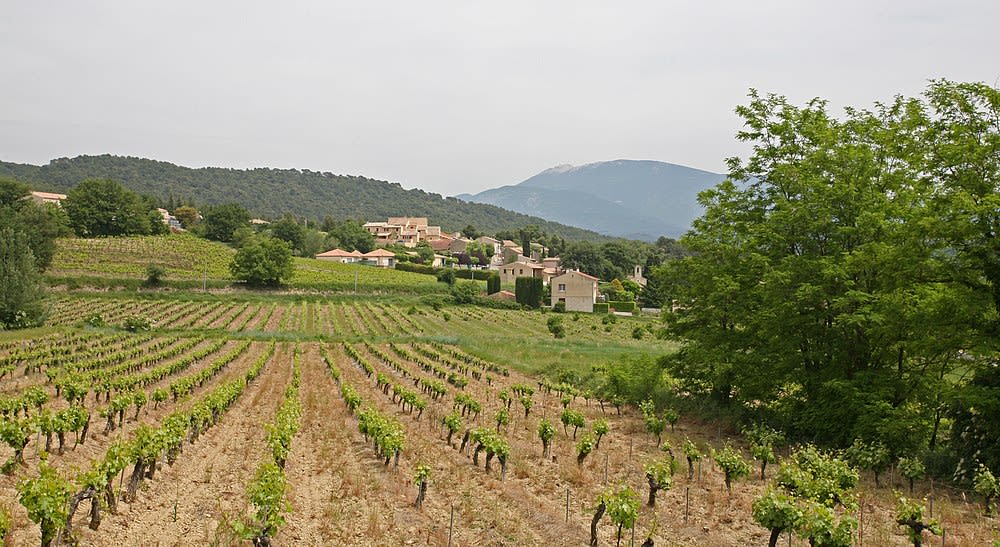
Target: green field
x,y
192,263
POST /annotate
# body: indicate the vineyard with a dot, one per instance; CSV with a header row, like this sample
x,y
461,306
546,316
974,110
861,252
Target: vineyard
x,y
191,262
135,421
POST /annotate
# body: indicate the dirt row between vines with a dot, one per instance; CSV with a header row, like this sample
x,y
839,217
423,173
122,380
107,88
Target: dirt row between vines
x,y
190,502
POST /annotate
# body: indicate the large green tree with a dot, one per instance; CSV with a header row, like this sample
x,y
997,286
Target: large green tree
x,y
40,224
825,287
21,294
266,261
351,236
103,207
221,221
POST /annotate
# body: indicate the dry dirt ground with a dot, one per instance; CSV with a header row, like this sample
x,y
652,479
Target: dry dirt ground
x,y
341,494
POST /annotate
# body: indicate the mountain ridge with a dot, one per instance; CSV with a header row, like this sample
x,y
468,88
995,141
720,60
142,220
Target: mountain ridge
x,y
648,198
269,192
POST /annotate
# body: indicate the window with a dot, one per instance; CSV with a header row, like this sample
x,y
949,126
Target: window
x,y
562,287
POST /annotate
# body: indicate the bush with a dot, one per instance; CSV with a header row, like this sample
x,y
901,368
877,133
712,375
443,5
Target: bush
x,y
137,324
629,307
560,307
556,327
601,307
465,292
638,332
155,274
421,269
446,276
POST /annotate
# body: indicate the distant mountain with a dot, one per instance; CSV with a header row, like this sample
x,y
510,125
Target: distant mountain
x,y
637,199
271,193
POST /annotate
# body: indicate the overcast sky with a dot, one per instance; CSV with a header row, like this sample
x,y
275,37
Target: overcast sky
x,y
453,96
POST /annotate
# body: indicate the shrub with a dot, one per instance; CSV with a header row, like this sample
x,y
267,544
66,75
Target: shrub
x,y
732,464
155,274
137,324
446,276
601,307
493,284
560,307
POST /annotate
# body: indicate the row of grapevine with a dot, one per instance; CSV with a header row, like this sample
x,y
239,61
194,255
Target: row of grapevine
x,y
52,501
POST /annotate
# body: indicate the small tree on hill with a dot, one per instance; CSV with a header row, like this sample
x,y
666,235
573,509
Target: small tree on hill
x,y
266,262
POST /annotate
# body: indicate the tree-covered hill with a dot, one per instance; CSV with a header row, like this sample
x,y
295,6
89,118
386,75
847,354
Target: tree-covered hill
x,y
273,192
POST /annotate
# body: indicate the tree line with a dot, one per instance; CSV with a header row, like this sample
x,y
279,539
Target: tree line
x,y
844,282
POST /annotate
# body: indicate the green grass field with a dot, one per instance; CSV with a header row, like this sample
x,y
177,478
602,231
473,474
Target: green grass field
x,y
192,262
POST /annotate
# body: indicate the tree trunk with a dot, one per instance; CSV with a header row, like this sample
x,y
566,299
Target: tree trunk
x,y
95,512
773,542
62,441
593,523
653,487
450,433
421,494
74,503
545,449
83,435
728,483
110,498
763,466
134,480
690,468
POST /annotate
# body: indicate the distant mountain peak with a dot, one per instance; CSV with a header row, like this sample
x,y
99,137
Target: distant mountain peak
x,y
622,198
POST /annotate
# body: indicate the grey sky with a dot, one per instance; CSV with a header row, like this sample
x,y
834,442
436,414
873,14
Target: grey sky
x,y
452,96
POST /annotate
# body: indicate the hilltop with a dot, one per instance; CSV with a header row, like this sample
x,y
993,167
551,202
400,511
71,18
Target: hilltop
x,y
271,193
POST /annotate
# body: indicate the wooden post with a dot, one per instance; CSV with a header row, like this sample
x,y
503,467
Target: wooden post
x,y
630,449
687,503
943,534
451,526
606,456
861,525
567,505
932,506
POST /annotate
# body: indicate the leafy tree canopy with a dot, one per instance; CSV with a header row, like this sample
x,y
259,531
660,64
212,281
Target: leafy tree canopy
x,y
103,207
266,261
222,221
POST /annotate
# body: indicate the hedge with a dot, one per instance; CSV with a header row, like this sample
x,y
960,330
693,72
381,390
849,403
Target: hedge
x,y
416,268
601,307
528,291
629,307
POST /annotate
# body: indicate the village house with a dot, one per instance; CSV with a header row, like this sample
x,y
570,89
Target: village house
x,y
48,197
340,255
576,290
510,272
406,231
379,257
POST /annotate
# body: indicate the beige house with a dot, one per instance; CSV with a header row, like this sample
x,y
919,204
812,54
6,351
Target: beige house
x,y
340,255
48,197
379,257
577,290
510,272
407,231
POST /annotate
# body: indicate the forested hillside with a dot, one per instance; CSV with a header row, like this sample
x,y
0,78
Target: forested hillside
x,y
274,192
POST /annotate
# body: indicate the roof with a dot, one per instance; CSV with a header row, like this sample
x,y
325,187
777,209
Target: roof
x,y
338,253
48,195
379,253
581,274
440,244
